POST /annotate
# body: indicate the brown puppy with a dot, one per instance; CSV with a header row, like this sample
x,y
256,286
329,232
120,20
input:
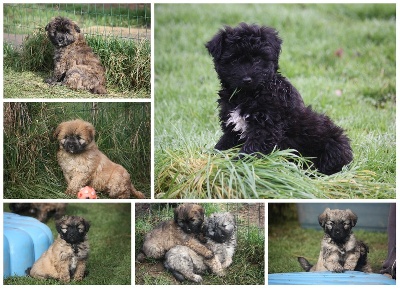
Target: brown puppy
x,y
182,230
83,164
75,64
41,211
340,251
65,260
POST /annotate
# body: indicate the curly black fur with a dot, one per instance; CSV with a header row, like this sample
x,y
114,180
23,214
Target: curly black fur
x,y
261,110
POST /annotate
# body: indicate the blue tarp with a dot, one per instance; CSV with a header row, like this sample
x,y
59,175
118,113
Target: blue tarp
x,y
329,278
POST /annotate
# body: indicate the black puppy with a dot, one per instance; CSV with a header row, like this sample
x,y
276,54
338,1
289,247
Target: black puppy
x,y
261,110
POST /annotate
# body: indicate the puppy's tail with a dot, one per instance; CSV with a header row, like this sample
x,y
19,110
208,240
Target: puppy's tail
x,y
304,264
140,257
137,194
99,89
28,271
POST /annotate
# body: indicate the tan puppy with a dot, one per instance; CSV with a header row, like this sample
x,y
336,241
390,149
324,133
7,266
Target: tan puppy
x,y
65,260
83,164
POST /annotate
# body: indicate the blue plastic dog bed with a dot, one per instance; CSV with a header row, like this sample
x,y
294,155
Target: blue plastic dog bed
x,y
25,240
329,278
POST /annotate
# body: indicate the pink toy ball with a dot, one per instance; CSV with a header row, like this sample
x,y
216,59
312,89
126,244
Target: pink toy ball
x,y
87,193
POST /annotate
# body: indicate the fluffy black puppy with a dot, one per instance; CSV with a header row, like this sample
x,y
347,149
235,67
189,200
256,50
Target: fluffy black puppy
x,y
261,110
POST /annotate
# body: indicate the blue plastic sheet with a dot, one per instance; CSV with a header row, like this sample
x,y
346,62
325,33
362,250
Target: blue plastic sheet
x,y
329,278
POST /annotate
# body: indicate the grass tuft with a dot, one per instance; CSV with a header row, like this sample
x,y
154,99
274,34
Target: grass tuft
x,y
281,174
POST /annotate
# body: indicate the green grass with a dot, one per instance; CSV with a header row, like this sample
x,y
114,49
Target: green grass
x,y
287,241
248,261
356,90
31,170
109,237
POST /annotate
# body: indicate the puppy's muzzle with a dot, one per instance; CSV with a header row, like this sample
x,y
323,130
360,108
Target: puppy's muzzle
x,y
72,145
73,236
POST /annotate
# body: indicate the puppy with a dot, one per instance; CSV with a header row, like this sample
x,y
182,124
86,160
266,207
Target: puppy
x,y
261,110
83,164
75,64
220,233
340,251
184,229
66,258
41,211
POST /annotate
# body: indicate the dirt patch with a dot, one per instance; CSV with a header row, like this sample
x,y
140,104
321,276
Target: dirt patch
x,y
15,39
131,33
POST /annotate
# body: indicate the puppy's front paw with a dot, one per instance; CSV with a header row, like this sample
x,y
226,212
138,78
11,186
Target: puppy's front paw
x,y
197,278
51,81
220,273
338,269
209,255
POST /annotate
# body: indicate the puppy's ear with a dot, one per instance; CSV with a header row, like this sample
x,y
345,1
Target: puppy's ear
x,y
76,27
58,224
91,131
270,36
322,218
57,131
353,217
87,225
215,45
47,27
201,211
176,211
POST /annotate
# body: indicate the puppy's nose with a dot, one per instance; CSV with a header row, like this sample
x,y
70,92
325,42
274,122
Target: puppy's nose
x,y
247,80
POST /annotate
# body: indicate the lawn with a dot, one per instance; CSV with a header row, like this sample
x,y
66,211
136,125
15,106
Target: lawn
x,y
29,84
248,260
109,238
341,58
